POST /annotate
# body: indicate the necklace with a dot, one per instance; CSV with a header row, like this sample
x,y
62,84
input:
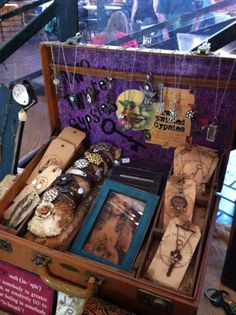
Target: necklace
x,y
160,85
110,102
72,96
180,243
91,94
147,89
4,123
198,164
213,127
173,110
178,201
55,76
126,119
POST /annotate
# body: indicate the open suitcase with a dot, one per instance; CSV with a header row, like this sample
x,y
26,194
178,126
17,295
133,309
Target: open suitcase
x,y
84,72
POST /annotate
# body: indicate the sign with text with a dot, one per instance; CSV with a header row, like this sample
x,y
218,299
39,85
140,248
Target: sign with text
x,y
165,131
22,292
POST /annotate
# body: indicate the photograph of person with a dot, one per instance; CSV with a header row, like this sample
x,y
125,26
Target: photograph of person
x,y
114,229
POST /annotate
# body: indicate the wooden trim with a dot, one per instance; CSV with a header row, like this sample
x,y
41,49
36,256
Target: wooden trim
x,y
51,97
128,76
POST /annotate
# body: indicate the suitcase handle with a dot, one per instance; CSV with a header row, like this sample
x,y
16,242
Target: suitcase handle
x,y
64,286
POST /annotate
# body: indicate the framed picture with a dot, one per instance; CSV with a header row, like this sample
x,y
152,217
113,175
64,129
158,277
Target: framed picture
x,y
116,225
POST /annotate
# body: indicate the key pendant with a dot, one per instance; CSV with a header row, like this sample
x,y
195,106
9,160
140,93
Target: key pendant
x,y
175,256
211,132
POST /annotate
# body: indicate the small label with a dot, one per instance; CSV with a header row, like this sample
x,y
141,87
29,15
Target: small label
x,y
125,160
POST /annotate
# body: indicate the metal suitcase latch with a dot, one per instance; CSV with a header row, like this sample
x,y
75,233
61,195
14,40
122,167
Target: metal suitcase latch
x,y
5,245
40,260
156,301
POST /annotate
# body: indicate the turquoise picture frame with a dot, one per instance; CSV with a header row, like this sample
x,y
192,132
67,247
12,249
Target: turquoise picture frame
x,y
116,224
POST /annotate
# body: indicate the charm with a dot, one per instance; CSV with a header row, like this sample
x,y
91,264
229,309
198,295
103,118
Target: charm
x,y
91,95
179,203
147,86
147,98
160,102
55,81
190,114
173,115
74,100
111,105
211,132
148,92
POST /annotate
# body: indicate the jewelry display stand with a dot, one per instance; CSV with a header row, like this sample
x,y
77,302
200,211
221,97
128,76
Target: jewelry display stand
x,y
179,87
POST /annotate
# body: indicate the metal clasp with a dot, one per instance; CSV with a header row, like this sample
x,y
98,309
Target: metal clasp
x,y
5,245
40,260
155,301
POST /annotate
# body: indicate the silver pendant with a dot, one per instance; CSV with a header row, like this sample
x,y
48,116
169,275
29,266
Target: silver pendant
x,y
211,132
91,97
179,203
160,107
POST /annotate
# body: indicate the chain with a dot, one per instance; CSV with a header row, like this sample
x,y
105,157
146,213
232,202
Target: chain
x,y
71,83
217,110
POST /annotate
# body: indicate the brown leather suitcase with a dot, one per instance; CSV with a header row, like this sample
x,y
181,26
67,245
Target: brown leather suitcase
x,y
213,79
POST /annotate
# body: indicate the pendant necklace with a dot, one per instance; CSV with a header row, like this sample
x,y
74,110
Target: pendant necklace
x,y
160,85
147,89
127,118
173,110
4,123
72,96
109,99
55,76
175,255
178,201
213,127
190,114
91,93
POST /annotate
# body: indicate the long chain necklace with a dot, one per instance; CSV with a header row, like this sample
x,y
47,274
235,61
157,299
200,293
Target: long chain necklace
x,y
110,102
55,77
4,123
127,118
147,89
212,128
175,255
173,110
160,86
72,97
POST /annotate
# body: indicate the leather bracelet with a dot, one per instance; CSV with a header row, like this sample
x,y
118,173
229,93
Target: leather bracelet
x,y
83,174
104,147
67,184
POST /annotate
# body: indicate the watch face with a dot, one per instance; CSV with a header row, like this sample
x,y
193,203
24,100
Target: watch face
x,y
20,94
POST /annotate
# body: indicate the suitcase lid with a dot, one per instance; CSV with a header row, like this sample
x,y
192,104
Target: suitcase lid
x,y
84,67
